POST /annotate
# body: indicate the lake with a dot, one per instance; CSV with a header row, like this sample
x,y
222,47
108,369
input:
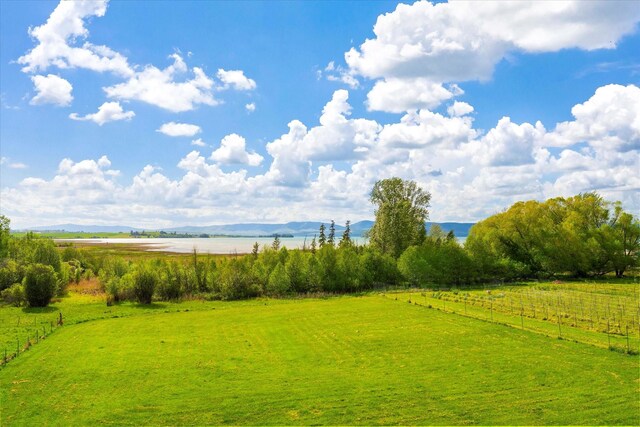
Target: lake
x,y
213,245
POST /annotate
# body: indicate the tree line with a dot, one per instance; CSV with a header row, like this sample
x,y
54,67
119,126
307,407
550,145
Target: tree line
x,y
580,236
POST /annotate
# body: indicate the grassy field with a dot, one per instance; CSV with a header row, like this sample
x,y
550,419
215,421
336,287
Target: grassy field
x,y
598,313
348,360
86,302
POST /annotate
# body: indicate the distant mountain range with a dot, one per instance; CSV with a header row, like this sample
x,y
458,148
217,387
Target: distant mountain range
x,y
308,228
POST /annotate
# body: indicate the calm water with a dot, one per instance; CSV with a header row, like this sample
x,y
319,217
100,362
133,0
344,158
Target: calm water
x,y
214,245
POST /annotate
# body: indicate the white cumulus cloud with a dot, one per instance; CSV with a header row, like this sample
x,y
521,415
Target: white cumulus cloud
x,y
235,79
62,42
51,89
459,109
333,165
12,165
397,95
179,129
233,151
609,120
198,142
58,42
419,47
107,112
160,87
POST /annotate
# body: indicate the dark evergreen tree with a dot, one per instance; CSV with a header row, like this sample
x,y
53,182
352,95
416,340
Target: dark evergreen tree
x,y
346,235
322,239
332,234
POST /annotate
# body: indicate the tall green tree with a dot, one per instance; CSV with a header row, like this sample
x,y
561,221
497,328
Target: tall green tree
x,y
401,210
4,236
313,245
623,246
579,235
346,235
322,238
332,233
45,252
279,283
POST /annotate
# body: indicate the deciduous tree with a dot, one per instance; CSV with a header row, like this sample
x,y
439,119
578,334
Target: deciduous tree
x,y
401,210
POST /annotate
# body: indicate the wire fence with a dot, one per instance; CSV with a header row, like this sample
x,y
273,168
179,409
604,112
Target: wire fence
x,y
39,331
607,321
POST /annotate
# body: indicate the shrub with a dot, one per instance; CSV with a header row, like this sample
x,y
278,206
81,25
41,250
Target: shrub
x,y
171,284
295,269
413,265
65,277
144,284
47,254
349,272
234,280
40,285
314,274
279,282
14,295
11,272
70,253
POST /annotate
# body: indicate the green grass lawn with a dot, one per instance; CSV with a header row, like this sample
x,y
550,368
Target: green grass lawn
x,y
18,324
584,312
350,360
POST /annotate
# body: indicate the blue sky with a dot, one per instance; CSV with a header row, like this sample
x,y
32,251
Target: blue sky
x,y
160,113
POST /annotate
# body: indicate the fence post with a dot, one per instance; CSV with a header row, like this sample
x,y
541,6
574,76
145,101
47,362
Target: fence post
x,y
628,347
608,336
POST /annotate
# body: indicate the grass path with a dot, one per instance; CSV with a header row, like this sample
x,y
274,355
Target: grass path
x,y
348,360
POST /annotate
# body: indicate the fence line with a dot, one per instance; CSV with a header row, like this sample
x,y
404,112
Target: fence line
x,y
31,340
420,299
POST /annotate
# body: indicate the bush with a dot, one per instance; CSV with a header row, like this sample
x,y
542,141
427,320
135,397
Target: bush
x,y
11,272
413,265
47,254
65,276
295,269
279,282
144,284
14,295
40,285
235,281
120,288
172,283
